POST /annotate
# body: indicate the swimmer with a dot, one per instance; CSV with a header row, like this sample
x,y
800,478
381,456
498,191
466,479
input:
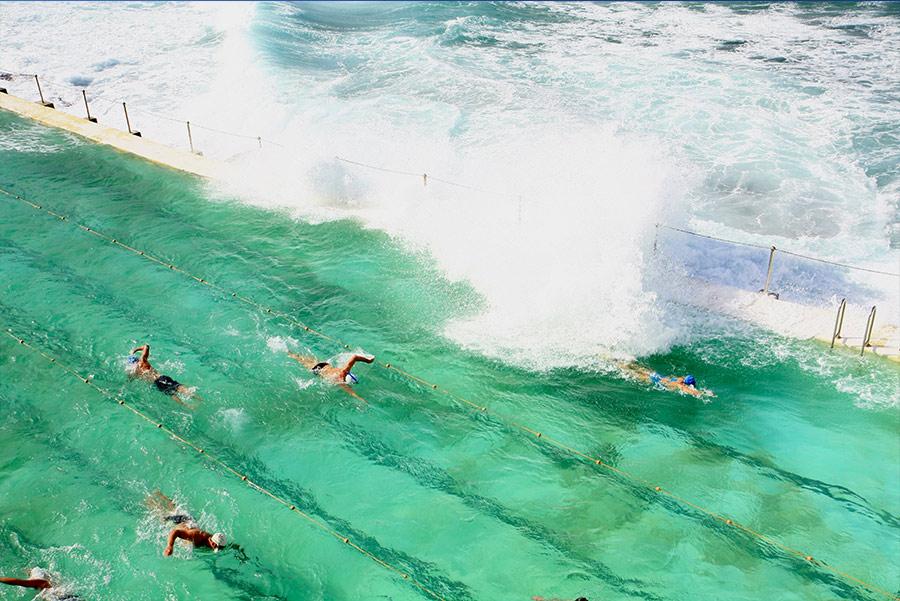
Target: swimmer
x,y
40,579
198,537
166,385
684,384
342,376
186,527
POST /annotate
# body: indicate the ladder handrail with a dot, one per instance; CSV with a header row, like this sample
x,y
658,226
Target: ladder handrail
x,y
867,337
839,321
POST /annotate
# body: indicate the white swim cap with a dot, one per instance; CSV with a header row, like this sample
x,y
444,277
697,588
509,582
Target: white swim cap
x,y
218,539
39,574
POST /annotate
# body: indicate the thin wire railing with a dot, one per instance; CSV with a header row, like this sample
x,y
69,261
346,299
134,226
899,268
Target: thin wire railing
x,y
426,177
532,432
116,102
781,250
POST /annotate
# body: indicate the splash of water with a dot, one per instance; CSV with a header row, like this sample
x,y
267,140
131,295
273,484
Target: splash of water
x,y
589,122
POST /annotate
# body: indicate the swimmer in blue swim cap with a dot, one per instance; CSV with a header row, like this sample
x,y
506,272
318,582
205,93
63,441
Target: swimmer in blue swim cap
x,y
341,376
684,384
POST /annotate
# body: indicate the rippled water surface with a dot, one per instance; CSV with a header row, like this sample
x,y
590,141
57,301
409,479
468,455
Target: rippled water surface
x,y
769,124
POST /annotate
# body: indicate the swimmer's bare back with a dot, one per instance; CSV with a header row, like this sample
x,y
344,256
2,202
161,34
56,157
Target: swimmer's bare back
x,y
335,375
675,384
196,536
176,390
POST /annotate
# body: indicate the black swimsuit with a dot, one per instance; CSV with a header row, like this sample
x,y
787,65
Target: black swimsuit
x,y
166,385
318,367
179,518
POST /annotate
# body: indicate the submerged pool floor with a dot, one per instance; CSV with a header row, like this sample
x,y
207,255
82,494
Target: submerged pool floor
x,y
466,503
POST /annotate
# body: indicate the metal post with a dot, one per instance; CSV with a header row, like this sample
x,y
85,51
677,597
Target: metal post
x,y
49,105
765,289
190,138
87,108
128,122
839,321
867,337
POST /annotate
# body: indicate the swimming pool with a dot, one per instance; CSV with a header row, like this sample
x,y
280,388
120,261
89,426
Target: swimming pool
x,y
463,501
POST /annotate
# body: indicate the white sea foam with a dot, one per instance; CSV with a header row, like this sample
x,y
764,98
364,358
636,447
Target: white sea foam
x,y
588,129
281,344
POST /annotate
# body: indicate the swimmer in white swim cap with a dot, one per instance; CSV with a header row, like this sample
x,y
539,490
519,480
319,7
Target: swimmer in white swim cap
x,y
197,537
185,526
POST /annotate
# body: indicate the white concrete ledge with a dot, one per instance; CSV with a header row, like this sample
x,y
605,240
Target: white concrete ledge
x,y
182,160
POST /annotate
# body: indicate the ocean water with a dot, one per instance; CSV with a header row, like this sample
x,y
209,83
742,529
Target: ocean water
x,y
586,125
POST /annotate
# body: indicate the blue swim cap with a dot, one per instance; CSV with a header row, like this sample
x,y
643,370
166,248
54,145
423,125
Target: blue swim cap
x,y
690,380
132,359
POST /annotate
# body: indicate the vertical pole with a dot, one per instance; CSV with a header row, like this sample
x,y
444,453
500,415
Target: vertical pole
x,y
40,93
49,105
765,289
190,138
87,108
424,179
128,122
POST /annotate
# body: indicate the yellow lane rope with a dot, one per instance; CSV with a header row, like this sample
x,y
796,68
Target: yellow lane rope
x,y
213,459
536,434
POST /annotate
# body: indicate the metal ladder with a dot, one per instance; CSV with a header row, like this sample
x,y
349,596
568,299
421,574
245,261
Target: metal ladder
x,y
839,324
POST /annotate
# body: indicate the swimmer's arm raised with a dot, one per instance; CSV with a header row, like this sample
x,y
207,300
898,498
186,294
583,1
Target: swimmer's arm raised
x,y
346,369
145,352
175,534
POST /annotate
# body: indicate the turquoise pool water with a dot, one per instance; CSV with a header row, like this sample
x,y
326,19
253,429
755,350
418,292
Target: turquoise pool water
x,y
470,506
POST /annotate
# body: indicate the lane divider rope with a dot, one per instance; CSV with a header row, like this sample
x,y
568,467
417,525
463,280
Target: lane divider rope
x,y
222,464
460,400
